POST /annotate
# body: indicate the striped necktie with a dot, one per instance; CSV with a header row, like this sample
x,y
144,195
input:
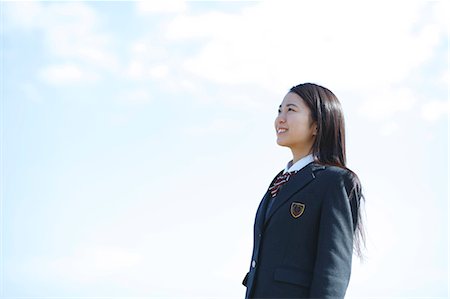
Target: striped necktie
x,y
280,181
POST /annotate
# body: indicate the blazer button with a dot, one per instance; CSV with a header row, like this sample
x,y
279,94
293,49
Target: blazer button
x,y
253,264
259,235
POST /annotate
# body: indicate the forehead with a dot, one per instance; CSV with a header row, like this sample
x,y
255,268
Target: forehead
x,y
292,98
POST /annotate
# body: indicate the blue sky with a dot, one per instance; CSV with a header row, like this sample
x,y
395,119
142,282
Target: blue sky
x,y
137,140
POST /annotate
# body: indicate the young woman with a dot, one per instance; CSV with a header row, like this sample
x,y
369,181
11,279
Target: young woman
x,y
308,222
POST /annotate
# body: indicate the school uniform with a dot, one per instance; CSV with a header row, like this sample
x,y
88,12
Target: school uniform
x,y
303,237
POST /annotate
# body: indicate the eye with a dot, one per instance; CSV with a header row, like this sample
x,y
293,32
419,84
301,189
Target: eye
x,y
290,109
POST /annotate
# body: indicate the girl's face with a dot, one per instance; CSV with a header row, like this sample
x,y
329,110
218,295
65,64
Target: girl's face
x,y
293,125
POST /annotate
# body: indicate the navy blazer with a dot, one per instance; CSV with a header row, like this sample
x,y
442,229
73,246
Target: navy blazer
x,y
303,246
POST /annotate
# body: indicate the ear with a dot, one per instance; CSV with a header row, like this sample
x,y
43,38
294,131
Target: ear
x,y
314,128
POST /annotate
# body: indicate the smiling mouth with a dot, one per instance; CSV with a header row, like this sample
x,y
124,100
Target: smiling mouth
x,y
279,131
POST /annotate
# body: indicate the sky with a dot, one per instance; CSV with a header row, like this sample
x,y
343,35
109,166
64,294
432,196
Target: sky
x,y
137,140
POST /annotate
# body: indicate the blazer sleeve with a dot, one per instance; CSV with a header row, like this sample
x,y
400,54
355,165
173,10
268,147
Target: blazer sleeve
x,y
332,267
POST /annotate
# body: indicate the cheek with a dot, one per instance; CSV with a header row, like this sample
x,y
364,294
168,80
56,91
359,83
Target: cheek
x,y
299,122
303,128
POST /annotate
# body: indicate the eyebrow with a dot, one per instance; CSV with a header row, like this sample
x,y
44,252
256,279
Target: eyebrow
x,y
289,105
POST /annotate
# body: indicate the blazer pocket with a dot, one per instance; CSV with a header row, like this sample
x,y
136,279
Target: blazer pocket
x,y
293,276
244,282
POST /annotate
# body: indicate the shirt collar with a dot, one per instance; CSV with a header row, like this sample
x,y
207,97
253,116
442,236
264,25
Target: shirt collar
x,y
299,164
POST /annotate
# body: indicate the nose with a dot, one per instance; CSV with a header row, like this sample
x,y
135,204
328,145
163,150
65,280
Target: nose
x,y
280,119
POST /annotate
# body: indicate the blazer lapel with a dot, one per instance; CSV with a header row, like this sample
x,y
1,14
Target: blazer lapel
x,y
295,183
261,212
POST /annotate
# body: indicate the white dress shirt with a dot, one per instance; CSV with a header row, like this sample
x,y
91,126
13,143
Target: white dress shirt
x,y
299,164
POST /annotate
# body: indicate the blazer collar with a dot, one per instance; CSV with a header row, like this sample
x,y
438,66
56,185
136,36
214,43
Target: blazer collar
x,y
295,184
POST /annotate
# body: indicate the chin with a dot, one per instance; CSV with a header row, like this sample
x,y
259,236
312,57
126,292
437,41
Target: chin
x,y
282,143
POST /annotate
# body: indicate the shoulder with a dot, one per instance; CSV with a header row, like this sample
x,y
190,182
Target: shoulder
x,y
331,175
330,172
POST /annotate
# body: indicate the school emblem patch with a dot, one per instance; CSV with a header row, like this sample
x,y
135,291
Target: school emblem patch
x,y
297,209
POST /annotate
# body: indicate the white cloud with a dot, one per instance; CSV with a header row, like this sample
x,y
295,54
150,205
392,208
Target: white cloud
x,y
71,31
170,6
146,60
145,47
352,45
441,15
135,70
135,96
434,110
22,14
216,126
66,74
445,78
387,102
204,25
139,69
389,128
159,71
188,85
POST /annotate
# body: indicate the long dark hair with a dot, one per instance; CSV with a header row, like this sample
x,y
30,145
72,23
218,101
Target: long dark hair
x,y
329,145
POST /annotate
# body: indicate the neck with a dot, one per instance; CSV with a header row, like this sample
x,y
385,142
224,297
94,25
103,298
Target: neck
x,y
298,154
